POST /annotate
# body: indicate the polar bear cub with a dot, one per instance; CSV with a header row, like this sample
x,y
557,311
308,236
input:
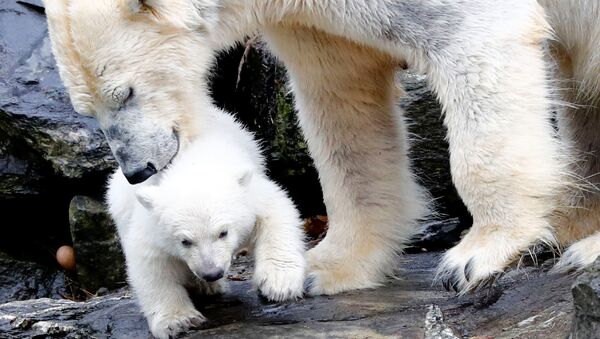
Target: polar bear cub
x,y
180,230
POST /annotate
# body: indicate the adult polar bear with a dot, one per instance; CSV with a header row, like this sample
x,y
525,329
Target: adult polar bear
x,y
136,65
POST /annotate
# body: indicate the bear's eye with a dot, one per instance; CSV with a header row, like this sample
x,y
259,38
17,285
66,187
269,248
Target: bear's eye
x,y
186,243
222,234
127,95
122,95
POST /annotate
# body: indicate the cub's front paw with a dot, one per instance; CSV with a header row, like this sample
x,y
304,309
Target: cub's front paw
x,y
169,325
279,280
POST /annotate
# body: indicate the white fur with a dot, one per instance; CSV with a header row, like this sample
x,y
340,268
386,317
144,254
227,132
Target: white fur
x,y
484,59
216,184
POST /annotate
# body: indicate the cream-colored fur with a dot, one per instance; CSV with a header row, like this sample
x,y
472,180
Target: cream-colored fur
x,y
483,58
358,139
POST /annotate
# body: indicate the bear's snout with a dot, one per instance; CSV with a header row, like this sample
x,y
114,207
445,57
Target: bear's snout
x,y
141,174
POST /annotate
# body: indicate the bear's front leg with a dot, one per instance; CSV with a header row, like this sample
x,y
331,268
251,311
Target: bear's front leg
x,y
345,96
506,161
278,241
158,282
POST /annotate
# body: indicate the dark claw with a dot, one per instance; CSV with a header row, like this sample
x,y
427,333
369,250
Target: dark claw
x,y
197,322
451,282
308,283
446,283
455,286
264,300
469,270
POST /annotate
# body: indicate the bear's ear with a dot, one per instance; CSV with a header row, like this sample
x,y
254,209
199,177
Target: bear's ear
x,y
245,178
181,14
147,196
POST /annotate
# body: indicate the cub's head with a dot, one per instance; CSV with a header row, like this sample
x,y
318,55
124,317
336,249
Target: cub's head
x,y
138,66
203,222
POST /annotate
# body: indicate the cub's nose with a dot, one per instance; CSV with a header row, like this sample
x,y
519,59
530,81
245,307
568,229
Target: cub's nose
x,y
141,174
213,276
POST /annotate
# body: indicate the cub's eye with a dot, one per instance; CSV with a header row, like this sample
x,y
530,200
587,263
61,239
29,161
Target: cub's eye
x,y
186,243
222,234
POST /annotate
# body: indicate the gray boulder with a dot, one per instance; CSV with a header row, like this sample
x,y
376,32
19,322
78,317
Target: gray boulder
x,y
100,260
586,296
22,280
42,138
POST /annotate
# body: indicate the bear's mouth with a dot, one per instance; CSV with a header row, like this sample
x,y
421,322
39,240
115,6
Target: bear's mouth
x,y
170,162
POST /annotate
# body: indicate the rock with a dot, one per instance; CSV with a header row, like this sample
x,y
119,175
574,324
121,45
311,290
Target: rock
x,y
586,295
533,304
435,328
438,235
99,259
41,134
114,316
21,280
48,153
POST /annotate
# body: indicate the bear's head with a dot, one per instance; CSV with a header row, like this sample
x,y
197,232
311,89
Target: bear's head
x,y
202,219
138,67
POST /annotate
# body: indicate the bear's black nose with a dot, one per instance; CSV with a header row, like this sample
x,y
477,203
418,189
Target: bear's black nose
x,y
140,175
213,276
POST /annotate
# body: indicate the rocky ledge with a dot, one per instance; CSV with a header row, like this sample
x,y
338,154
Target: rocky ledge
x,y
529,302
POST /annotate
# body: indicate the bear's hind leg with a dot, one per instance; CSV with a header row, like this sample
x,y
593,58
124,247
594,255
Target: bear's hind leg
x,y
577,26
580,215
345,95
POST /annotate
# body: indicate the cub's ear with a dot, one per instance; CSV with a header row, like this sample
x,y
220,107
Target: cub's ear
x,y
245,178
183,14
147,196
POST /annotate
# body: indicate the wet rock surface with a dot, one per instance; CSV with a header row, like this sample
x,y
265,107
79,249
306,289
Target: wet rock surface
x,y
22,280
524,303
100,260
